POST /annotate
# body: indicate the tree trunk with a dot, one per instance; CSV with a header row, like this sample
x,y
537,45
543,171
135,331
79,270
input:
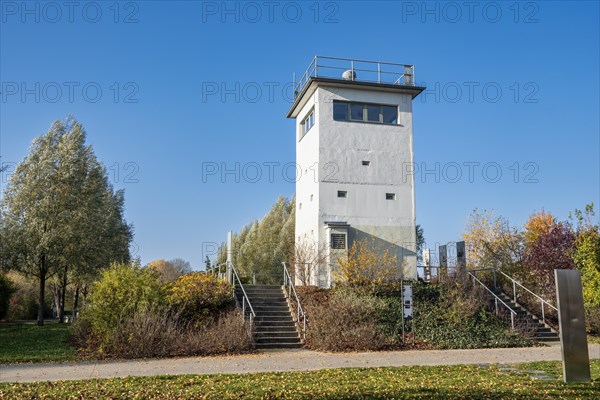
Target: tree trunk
x,y
55,299
42,295
75,301
62,300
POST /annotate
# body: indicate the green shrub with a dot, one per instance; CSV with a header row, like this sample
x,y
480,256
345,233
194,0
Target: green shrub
x,y
121,290
7,289
199,295
452,315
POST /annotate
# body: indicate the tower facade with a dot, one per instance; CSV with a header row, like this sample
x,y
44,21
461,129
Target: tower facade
x,y
354,155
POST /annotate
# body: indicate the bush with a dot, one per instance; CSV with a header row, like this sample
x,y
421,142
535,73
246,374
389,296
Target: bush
x,y
227,334
6,291
452,315
343,321
199,295
151,332
593,319
121,290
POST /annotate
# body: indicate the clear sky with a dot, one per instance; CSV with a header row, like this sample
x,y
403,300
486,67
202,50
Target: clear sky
x,y
169,89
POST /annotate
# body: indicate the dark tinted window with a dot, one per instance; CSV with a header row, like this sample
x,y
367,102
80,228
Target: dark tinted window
x,y
373,113
340,111
356,112
390,114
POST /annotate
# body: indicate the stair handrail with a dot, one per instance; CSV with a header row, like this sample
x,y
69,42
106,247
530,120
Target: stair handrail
x,y
289,284
245,298
497,299
541,299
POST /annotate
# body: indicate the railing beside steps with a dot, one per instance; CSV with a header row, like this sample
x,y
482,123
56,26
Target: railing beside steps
x,y
497,300
290,289
246,305
545,305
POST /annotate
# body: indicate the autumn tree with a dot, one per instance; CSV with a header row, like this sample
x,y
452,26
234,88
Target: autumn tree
x,y
60,216
169,271
538,224
368,264
491,242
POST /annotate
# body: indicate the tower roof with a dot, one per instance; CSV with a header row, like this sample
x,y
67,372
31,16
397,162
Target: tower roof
x,y
356,74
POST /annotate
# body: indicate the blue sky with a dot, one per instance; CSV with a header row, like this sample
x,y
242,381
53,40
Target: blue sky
x,y
511,87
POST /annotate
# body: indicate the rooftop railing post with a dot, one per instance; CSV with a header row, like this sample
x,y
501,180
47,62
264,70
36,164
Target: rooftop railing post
x,y
378,73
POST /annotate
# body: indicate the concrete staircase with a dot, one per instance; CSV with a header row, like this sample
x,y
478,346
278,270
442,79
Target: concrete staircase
x,y
274,326
539,331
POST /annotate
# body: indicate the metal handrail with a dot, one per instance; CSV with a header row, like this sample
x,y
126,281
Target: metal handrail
x,y
217,268
496,299
408,73
245,298
289,283
542,300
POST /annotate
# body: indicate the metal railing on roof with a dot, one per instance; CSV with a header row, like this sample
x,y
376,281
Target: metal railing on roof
x,y
360,71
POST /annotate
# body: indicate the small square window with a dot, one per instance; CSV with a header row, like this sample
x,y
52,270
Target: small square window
x,y
390,196
338,241
342,193
366,163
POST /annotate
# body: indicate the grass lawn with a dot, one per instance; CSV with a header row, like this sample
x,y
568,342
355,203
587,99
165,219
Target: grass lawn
x,y
356,383
27,342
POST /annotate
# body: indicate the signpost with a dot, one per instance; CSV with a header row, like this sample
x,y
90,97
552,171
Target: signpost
x,y
407,309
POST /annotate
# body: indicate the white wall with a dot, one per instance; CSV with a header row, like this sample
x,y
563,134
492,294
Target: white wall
x,y
339,147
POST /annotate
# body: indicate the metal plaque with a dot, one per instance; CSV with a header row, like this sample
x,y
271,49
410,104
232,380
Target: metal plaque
x,y
407,301
571,319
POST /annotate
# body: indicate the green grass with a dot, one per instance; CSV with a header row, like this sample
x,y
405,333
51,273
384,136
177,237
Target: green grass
x,y
593,339
28,342
355,383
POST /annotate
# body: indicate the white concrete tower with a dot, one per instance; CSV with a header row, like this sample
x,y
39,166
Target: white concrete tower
x,y
354,149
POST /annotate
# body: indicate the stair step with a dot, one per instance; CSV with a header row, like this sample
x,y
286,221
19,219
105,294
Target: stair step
x,y
278,346
278,339
277,334
270,328
264,307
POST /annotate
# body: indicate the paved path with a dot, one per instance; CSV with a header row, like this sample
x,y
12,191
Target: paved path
x,y
276,360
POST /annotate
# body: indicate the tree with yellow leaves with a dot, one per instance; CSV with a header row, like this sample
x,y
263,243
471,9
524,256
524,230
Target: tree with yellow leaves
x,y
492,242
538,224
369,264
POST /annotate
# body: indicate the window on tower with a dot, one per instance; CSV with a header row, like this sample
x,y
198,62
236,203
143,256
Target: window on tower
x,y
338,241
307,123
365,112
